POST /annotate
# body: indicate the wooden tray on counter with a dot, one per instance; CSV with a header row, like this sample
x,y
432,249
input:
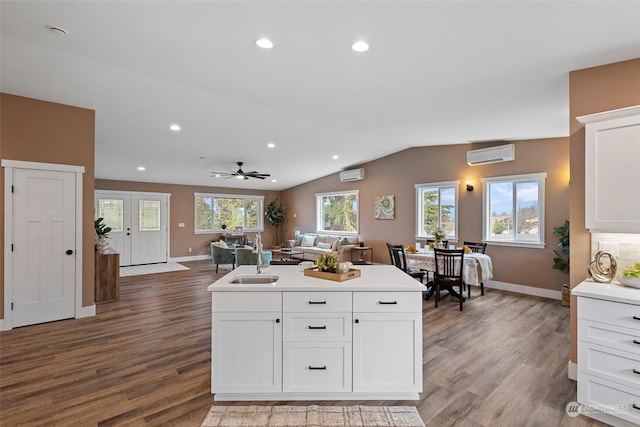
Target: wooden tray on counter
x,y
336,277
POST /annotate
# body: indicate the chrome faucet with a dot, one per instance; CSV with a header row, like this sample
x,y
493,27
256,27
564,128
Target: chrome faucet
x,y
258,250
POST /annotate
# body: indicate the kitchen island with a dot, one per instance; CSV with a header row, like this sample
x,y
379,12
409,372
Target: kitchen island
x,y
305,338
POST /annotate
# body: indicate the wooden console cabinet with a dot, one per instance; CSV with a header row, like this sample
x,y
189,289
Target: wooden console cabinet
x,y
107,277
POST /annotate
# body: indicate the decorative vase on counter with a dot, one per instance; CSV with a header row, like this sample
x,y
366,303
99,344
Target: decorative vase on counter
x,y
102,245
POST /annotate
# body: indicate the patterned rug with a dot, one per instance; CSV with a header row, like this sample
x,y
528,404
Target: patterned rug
x,y
137,270
313,416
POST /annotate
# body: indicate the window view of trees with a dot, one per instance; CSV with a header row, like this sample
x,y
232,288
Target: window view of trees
x,y
338,212
437,209
214,211
514,207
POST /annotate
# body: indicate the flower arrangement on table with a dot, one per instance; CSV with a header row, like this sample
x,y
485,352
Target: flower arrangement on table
x,y
327,262
439,234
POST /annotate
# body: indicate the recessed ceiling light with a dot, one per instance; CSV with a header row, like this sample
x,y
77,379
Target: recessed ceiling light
x,y
58,30
271,145
360,46
264,43
175,127
141,168
335,156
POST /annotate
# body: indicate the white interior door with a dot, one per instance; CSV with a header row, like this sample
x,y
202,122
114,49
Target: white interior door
x,y
139,223
44,246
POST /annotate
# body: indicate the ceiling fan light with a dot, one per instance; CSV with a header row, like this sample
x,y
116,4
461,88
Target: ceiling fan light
x,y
240,176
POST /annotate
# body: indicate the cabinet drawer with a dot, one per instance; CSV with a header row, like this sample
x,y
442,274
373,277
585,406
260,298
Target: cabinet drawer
x,y
316,301
625,339
246,301
614,313
609,397
609,363
316,367
317,326
387,302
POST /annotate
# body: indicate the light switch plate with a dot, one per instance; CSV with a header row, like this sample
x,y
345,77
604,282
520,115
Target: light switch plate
x,y
181,224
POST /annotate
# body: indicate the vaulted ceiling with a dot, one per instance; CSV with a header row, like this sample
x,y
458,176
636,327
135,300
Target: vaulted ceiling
x,y
437,72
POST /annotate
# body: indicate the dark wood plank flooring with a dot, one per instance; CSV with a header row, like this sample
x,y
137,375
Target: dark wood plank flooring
x,y
145,361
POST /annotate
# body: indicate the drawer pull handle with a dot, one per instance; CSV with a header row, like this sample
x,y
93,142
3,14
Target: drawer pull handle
x,y
387,302
636,318
356,320
318,368
317,302
317,327
635,371
636,407
636,342
277,320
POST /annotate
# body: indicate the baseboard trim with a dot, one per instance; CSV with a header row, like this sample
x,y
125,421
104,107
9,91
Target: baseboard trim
x,y
190,258
87,311
572,370
522,289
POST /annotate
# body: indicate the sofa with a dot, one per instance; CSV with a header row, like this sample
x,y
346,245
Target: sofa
x,y
309,245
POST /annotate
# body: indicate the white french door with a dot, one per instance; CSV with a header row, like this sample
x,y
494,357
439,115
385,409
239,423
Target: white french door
x,y
139,225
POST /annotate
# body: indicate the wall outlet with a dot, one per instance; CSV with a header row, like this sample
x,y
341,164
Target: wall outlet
x,y
611,247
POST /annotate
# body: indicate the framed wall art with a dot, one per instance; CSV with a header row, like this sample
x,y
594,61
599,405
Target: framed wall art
x,y
384,207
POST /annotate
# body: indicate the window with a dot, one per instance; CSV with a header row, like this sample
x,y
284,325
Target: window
x,y
337,212
215,210
514,210
437,207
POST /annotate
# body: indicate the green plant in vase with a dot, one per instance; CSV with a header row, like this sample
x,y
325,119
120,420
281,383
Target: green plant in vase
x,y
561,260
275,215
102,233
327,262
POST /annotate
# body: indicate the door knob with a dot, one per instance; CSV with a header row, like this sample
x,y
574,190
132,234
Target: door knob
x,y
69,252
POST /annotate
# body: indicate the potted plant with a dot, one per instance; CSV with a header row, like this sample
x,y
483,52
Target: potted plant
x,y
561,260
275,214
102,234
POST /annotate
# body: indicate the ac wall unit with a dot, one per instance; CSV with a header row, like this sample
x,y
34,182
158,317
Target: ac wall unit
x,y
483,156
352,175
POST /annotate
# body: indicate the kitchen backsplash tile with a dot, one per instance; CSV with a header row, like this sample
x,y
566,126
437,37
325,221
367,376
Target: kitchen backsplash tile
x,y
626,247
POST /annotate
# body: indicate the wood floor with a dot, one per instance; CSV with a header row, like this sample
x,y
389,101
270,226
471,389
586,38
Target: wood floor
x,y
145,360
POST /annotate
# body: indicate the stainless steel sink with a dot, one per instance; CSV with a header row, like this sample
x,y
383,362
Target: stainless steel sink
x,y
254,279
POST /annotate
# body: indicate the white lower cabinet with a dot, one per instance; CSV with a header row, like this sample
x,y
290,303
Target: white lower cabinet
x,y
315,345
609,359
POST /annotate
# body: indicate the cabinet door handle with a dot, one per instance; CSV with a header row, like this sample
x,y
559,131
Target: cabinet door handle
x,y
317,327
356,321
635,371
636,318
636,342
317,302
636,407
277,320
318,368
387,302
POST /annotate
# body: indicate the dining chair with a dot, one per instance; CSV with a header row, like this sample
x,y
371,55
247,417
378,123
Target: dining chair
x,y
449,264
479,248
399,259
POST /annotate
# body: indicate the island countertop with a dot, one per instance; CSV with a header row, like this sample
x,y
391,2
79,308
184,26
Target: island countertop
x,y
380,278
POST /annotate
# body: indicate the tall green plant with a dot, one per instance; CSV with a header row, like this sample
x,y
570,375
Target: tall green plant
x,y
275,215
561,260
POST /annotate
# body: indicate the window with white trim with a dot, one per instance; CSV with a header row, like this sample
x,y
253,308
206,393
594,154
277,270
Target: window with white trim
x,y
513,209
337,212
213,211
437,207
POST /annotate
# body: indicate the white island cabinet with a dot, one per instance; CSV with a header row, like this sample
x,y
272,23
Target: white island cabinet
x,y
609,352
305,338
612,170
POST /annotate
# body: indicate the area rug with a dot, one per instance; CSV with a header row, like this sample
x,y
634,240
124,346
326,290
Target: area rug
x,y
313,416
165,267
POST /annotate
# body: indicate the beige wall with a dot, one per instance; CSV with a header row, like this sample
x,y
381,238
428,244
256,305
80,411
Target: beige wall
x,y
592,90
398,173
39,131
182,210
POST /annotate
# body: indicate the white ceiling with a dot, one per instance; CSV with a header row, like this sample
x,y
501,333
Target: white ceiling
x,y
437,73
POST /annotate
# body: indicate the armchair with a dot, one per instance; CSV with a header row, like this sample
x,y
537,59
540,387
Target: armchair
x,y
220,255
245,256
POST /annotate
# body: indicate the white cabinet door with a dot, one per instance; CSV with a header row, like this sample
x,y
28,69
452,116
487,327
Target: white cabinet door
x,y
612,156
387,352
246,354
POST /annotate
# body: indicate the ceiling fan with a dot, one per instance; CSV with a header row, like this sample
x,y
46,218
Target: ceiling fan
x,y
240,174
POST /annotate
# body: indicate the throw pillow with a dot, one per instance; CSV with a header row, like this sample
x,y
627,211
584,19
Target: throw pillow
x,y
343,242
222,244
308,240
298,239
323,245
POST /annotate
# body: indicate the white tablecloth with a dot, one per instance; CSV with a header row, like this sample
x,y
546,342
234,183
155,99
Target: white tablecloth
x,y
477,267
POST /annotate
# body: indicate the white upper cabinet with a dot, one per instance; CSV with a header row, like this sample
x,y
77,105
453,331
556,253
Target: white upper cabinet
x,y
612,181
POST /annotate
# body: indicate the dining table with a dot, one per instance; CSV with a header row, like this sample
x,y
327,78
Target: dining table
x,y
477,267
